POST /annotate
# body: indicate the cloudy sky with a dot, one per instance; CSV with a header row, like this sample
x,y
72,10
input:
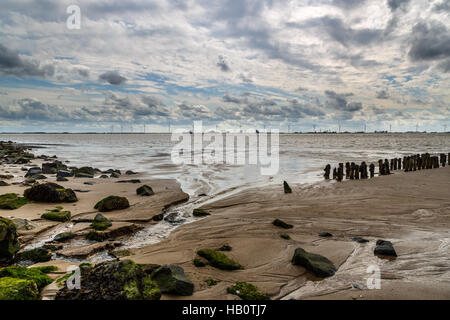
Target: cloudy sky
x,y
246,63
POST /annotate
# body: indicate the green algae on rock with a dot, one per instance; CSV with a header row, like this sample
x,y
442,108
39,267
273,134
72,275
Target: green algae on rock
x,y
247,291
18,289
172,279
9,243
32,274
219,260
11,201
200,213
57,215
34,255
145,191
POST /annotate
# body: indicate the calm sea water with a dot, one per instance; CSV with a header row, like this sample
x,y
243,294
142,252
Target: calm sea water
x,y
301,156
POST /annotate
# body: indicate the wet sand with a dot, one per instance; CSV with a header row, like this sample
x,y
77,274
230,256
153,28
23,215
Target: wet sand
x,y
410,209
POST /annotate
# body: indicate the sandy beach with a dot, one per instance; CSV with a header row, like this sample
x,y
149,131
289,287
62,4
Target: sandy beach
x,y
409,209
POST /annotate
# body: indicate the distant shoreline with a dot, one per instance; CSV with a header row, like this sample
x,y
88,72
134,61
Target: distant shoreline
x,y
281,133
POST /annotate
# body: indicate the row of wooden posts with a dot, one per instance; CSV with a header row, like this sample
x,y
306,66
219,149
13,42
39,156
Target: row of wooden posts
x,y
411,163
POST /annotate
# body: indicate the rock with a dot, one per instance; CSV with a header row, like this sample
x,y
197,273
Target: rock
x,y
34,255
104,176
317,264
64,174
112,203
87,250
174,218
113,280
129,181
100,223
50,192
360,240
57,215
88,183
37,274
200,262
158,217
385,248
84,172
64,236
172,280
9,243
6,176
145,191
3,184
129,172
33,171
10,201
282,224
225,247
83,175
115,175
24,224
18,289
61,179
219,260
49,168
287,188
200,213
325,234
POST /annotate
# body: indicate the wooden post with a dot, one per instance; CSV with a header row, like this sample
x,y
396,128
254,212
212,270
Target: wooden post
x,y
372,170
327,172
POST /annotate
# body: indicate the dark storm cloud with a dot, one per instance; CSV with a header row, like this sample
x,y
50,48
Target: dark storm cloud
x,y
337,30
382,94
430,41
340,102
12,64
223,65
112,77
395,4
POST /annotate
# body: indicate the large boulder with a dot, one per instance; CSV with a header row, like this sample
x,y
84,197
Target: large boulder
x,y
113,280
317,264
64,174
385,248
171,279
112,203
9,243
50,192
84,172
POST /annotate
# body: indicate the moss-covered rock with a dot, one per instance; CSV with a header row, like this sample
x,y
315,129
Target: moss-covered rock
x,y
100,223
210,282
96,236
145,191
171,279
9,243
282,224
112,203
50,192
57,215
200,263
11,201
315,263
200,213
113,280
18,289
34,255
285,236
247,291
84,172
32,274
219,260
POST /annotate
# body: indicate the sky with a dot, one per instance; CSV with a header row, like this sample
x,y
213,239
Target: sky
x,y
135,65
